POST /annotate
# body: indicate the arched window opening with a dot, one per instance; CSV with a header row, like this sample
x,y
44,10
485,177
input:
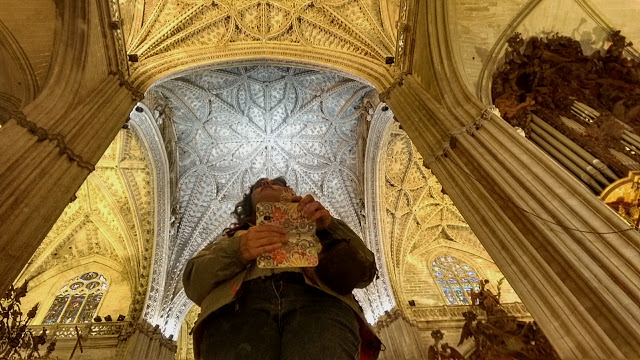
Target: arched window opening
x,y
455,279
78,300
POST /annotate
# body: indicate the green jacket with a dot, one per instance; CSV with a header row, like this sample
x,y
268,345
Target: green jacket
x,y
213,277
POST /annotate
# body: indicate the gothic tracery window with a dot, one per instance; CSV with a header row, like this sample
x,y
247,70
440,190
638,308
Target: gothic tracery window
x,y
455,279
78,300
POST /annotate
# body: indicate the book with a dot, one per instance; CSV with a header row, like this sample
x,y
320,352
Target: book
x,y
302,247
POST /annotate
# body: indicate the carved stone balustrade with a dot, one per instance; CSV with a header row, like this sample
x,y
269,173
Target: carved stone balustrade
x,y
109,340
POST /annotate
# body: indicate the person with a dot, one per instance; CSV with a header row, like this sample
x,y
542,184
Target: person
x,y
249,312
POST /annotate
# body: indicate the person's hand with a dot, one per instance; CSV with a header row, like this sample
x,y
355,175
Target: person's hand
x,y
261,239
313,210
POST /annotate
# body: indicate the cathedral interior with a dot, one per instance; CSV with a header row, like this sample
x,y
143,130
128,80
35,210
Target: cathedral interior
x,y
487,153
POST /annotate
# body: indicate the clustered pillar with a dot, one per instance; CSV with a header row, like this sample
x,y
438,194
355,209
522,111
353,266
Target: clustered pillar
x,y
573,262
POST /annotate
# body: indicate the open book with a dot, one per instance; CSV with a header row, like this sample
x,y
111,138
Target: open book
x,y
302,247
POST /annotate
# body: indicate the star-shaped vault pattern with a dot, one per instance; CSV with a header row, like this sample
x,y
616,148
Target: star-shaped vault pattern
x,y
237,125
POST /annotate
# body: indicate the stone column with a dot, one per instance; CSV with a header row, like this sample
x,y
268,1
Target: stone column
x,y
144,341
573,262
48,148
400,337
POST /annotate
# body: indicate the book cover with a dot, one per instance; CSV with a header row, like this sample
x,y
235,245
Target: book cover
x,y
302,247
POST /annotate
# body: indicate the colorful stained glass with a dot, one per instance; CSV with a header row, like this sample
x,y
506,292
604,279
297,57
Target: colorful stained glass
x,y
455,280
449,296
78,299
70,313
92,285
90,306
76,285
89,276
56,309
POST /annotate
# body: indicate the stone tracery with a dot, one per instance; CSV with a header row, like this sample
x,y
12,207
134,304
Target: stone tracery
x,y
419,221
168,32
236,125
112,216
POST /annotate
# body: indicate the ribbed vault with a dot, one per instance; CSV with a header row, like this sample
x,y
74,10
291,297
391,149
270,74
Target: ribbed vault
x,y
234,126
420,222
168,35
112,216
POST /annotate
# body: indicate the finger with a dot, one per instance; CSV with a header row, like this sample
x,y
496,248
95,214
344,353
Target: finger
x,y
322,214
266,235
310,209
296,198
269,248
268,228
306,200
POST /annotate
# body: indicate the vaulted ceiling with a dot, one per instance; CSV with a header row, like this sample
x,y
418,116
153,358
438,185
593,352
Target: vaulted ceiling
x,y
236,125
112,215
165,35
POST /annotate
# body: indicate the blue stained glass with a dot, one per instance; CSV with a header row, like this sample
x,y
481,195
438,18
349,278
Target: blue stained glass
x,y
90,307
92,285
458,292
89,276
449,296
76,286
72,309
455,280
56,308
466,286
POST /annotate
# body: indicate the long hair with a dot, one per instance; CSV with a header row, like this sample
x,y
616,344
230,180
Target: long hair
x,y
244,211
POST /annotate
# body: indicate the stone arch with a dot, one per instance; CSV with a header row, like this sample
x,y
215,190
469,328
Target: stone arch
x,y
162,296
350,65
19,78
44,286
149,135
164,36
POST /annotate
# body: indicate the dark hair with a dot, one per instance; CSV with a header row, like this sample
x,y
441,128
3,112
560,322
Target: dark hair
x,y
244,211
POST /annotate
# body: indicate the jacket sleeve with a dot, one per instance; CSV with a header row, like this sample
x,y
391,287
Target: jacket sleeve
x,y
214,264
338,231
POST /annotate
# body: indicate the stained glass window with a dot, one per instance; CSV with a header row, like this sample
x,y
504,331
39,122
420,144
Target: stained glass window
x,y
77,300
455,279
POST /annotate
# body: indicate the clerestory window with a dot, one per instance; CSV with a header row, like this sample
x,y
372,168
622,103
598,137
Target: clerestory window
x,y
77,300
455,279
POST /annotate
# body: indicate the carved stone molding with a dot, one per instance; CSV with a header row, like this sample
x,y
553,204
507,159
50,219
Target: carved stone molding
x,y
380,290
397,81
171,35
389,318
468,129
144,124
118,34
59,141
455,312
136,94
